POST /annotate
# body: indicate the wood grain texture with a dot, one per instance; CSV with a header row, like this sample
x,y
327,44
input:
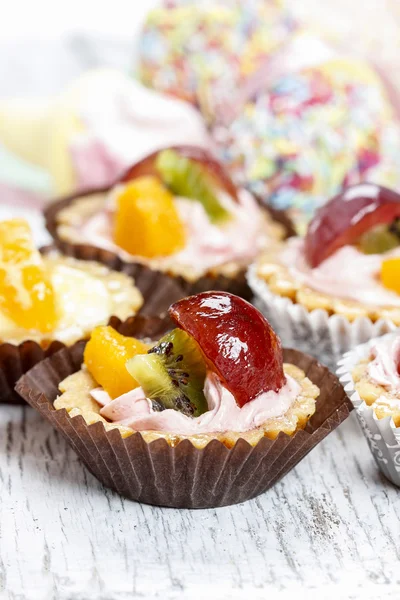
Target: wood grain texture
x,y
331,526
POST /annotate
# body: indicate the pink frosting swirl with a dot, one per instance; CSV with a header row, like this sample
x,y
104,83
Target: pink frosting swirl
x,y
134,410
208,245
348,273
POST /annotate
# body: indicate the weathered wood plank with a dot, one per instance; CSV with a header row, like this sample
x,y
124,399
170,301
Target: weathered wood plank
x,y
333,521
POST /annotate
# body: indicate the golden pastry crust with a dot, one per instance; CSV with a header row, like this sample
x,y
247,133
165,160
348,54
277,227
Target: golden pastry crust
x,y
79,210
282,283
384,402
125,299
76,399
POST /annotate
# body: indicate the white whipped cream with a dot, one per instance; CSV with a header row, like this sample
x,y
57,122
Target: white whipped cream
x,y
348,273
207,245
134,410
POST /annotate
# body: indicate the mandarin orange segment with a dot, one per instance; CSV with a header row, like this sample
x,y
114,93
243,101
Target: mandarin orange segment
x,y
105,356
26,292
390,274
147,222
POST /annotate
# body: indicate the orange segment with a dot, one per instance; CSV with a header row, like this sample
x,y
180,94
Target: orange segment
x,y
26,292
147,222
390,274
106,354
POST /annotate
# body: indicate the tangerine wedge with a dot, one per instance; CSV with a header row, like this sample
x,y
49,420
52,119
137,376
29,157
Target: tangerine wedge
x,y
147,222
26,292
105,357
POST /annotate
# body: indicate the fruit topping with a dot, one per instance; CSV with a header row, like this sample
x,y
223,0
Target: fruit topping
x,y
191,172
147,222
147,166
345,218
105,357
390,274
378,240
26,292
187,178
238,342
172,374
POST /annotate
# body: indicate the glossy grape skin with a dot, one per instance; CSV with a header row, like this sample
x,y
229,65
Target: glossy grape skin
x,y
237,341
147,166
346,217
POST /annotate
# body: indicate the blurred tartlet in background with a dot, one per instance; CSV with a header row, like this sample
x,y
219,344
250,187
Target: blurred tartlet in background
x,y
176,211
47,301
370,374
338,286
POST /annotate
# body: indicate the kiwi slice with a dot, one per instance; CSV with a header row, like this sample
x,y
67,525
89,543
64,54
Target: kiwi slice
x,y
172,374
185,177
380,239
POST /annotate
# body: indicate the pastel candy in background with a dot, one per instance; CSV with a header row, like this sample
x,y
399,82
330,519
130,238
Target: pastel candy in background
x,y
310,131
188,47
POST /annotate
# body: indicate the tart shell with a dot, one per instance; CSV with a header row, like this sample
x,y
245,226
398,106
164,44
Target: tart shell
x,y
236,284
181,475
314,330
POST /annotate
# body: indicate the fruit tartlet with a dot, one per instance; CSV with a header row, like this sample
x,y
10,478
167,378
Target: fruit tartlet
x,y
371,375
176,211
47,300
210,413
339,286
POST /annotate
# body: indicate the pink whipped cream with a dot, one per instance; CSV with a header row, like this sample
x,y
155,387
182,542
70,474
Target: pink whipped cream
x,y
135,410
348,273
384,368
208,245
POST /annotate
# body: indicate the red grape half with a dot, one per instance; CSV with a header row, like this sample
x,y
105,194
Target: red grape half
x,y
237,341
346,217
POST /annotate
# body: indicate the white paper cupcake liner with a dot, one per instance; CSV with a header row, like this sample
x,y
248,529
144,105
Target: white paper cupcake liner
x,y
382,435
326,337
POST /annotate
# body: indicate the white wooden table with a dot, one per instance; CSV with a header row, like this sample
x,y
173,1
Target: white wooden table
x,y
329,529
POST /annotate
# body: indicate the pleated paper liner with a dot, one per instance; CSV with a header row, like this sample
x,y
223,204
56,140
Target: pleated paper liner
x,y
236,285
159,292
183,476
316,332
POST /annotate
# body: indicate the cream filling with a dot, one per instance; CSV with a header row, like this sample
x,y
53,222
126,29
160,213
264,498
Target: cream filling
x,y
383,370
208,246
86,295
348,273
134,410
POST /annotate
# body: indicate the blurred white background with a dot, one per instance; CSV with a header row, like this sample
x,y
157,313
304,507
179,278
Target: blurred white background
x,y
26,19
45,44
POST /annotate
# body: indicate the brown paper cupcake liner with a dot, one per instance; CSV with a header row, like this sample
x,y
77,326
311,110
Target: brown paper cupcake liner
x,y
236,285
159,292
183,476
